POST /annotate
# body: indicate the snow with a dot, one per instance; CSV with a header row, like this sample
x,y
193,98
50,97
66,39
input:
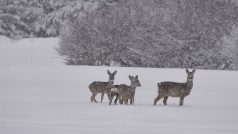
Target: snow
x,y
41,95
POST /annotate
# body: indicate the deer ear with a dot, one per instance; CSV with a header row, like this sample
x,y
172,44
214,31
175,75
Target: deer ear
x,y
114,72
130,77
187,71
194,70
108,72
136,77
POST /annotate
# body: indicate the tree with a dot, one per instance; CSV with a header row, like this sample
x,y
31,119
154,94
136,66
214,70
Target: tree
x,y
172,33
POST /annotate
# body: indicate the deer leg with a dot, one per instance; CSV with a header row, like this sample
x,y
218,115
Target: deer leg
x,y
115,101
93,97
181,101
157,99
121,101
165,100
126,102
131,101
102,95
111,98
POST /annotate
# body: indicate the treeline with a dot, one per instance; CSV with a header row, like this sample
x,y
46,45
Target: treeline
x,y
154,33
37,18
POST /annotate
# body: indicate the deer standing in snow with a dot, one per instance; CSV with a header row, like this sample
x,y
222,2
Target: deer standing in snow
x,y
102,87
174,89
124,92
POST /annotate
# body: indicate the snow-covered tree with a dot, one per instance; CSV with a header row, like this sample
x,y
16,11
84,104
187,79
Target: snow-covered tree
x,y
171,33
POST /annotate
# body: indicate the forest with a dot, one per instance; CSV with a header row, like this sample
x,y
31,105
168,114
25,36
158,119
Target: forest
x,y
136,33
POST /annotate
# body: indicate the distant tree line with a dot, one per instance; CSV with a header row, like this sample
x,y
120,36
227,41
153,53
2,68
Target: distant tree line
x,y
154,33
139,33
36,18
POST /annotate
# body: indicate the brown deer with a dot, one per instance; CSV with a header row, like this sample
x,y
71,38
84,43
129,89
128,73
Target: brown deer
x,y
102,87
124,92
174,89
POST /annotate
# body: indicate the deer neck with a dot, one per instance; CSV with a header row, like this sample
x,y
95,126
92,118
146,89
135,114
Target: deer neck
x,y
132,88
189,84
110,83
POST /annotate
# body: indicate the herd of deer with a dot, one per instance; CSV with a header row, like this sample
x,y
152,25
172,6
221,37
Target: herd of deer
x,y
125,93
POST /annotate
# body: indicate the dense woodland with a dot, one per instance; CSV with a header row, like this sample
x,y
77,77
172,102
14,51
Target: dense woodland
x,y
139,33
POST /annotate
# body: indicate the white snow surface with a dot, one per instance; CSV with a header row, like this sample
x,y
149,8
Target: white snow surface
x,y
39,94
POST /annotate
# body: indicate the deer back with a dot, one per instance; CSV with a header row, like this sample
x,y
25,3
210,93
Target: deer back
x,y
119,88
98,86
173,89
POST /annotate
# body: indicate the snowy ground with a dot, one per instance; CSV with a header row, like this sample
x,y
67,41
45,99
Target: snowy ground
x,y
41,95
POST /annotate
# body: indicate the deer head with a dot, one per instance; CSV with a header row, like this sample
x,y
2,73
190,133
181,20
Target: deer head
x,y
134,81
190,74
111,75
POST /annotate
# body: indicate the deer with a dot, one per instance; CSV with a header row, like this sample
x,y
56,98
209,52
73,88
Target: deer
x,y
173,89
124,92
102,87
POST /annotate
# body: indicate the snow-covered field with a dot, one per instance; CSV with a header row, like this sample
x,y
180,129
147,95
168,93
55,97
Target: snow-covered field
x,y
41,95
